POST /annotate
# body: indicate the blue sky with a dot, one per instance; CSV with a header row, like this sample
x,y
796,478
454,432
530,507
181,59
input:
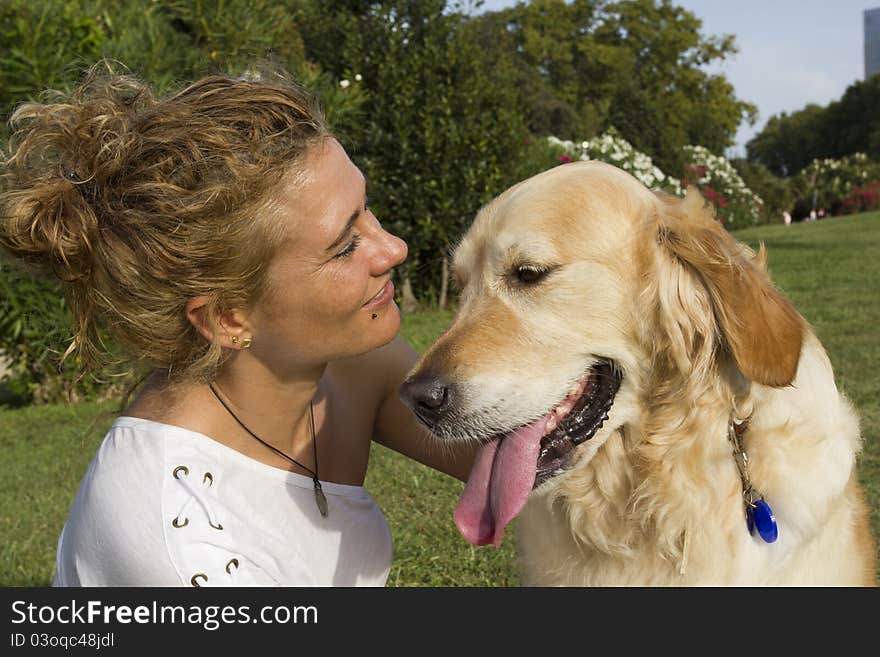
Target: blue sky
x,y
791,52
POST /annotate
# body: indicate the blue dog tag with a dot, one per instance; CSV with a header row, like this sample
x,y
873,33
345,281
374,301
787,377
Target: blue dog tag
x,y
765,521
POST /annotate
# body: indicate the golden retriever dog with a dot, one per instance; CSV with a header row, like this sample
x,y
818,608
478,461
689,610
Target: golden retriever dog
x,y
652,410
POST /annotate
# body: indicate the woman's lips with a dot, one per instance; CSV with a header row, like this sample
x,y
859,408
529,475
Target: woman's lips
x,y
385,295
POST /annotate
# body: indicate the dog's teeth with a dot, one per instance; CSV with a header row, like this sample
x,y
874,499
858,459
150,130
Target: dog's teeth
x,y
551,425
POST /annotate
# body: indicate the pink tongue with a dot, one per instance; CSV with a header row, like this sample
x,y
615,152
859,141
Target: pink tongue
x,y
499,484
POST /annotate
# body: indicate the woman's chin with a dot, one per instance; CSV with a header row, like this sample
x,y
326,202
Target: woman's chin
x,y
385,323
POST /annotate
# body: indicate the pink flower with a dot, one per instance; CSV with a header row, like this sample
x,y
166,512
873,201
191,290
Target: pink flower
x,y
565,159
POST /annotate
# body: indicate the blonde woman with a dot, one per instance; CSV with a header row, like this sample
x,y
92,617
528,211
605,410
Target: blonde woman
x,y
222,236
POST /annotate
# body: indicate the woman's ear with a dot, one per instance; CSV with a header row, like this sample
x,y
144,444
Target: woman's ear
x,y
759,327
216,326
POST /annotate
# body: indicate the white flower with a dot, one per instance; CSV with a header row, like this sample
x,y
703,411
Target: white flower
x,y
358,77
344,84
619,152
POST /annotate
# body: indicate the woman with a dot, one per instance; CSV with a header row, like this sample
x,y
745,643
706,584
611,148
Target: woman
x,y
223,237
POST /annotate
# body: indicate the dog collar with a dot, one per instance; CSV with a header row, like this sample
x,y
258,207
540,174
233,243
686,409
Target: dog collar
x,y
758,513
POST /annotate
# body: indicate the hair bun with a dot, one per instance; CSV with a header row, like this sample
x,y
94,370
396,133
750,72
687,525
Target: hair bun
x,y
50,224
64,152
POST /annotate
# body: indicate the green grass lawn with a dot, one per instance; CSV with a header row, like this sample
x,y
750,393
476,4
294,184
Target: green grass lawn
x,y
829,269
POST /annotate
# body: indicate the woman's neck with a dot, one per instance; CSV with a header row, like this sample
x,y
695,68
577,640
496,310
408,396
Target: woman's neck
x,y
274,408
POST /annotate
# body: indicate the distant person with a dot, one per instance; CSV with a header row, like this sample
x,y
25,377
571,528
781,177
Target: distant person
x,y
786,217
812,215
223,236
821,214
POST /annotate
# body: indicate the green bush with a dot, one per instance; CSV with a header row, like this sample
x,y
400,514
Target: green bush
x,y
827,183
35,331
42,45
736,205
537,155
863,199
774,191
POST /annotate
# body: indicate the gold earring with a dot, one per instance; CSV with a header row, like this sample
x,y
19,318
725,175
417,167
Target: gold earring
x,y
234,339
246,343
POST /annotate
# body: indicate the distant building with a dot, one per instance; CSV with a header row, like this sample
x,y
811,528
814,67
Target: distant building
x,y
872,42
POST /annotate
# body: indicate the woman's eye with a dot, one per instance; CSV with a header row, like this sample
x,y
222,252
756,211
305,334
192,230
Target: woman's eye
x,y
348,250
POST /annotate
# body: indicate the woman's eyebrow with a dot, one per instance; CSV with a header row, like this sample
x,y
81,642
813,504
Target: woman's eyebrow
x,y
345,231
351,219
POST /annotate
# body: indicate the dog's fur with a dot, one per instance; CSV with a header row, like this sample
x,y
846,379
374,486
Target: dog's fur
x,y
700,335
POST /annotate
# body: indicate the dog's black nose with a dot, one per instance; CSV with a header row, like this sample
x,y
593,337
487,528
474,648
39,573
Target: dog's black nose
x,y
427,396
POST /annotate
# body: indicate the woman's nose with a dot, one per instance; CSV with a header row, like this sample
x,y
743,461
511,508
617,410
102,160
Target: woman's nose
x,y
393,249
397,248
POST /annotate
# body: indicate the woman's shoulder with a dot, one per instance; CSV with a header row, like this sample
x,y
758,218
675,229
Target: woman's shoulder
x,y
136,453
141,441
130,462
118,500
130,443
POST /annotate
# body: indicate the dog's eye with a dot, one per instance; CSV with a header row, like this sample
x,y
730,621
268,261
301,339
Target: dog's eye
x,y
529,275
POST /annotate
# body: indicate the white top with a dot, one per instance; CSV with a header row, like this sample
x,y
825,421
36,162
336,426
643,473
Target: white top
x,y
165,506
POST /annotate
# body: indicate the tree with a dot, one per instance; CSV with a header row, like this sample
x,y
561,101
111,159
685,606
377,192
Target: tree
x,y
787,143
852,124
790,142
565,77
668,100
637,66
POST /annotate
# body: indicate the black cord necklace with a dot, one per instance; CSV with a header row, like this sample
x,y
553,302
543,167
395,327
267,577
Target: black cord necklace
x,y
320,499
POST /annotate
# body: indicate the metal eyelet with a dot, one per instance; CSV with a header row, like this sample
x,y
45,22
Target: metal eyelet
x,y
231,562
178,469
208,479
177,524
194,579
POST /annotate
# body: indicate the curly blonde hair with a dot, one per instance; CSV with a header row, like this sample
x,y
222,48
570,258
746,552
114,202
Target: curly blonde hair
x,y
140,203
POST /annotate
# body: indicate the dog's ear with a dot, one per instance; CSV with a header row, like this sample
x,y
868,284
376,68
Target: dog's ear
x,y
757,325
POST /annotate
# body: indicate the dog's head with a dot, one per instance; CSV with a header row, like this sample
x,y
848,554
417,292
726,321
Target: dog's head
x,y
577,286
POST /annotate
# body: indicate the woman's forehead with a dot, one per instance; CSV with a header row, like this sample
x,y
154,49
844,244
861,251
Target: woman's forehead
x,y
317,200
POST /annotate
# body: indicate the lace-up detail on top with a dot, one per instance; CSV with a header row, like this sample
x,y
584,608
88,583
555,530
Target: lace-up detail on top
x,y
181,473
